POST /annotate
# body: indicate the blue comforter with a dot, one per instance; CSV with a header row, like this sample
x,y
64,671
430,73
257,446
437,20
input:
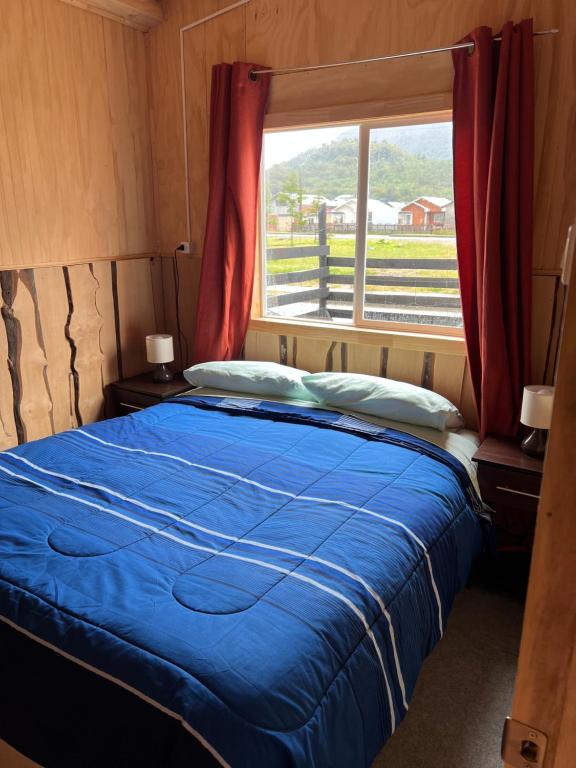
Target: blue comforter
x,y
273,576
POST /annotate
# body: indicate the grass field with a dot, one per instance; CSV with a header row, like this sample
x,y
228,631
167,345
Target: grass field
x,y
384,248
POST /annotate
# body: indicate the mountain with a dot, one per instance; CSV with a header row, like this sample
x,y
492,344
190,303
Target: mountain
x,y
395,173
433,140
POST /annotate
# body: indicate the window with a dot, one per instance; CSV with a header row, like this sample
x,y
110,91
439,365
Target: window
x,y
359,225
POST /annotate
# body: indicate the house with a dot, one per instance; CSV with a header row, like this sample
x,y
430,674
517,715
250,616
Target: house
x,y
378,212
426,211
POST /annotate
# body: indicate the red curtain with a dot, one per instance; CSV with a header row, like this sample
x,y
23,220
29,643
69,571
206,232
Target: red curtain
x,y
238,104
493,115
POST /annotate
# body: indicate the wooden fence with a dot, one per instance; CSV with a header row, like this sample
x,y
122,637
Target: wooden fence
x,y
329,298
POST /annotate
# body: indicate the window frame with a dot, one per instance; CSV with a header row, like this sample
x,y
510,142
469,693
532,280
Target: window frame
x,y
358,323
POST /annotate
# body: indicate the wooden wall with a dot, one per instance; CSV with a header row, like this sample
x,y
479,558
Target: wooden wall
x,y
67,332
281,33
76,199
75,154
443,370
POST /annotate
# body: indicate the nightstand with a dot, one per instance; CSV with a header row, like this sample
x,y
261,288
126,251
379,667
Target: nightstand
x,y
138,392
510,484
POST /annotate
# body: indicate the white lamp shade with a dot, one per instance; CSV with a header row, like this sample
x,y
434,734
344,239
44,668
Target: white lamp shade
x,y
159,348
537,406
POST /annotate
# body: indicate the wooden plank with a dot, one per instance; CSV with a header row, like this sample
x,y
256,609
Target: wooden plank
x,y
544,340
297,252
104,299
363,358
402,338
10,758
8,436
314,294
316,355
262,346
468,402
286,278
67,92
84,326
416,282
448,376
139,14
341,261
131,143
35,407
398,299
545,695
405,365
53,309
425,106
136,313
180,315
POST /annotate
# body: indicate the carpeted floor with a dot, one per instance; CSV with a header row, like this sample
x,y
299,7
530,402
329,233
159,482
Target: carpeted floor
x,y
464,691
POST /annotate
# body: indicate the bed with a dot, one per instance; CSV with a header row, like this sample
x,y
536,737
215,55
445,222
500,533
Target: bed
x,y
226,580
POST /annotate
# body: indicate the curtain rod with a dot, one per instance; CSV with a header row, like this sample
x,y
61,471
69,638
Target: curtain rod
x,y
255,72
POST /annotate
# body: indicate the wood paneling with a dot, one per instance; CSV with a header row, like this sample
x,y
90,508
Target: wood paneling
x,y
444,373
140,14
75,154
281,34
545,695
59,342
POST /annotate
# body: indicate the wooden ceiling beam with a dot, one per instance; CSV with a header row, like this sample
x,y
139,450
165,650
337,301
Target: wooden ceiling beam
x,y
140,14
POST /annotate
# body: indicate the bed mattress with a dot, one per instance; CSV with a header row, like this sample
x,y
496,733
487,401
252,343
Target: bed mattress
x,y
268,577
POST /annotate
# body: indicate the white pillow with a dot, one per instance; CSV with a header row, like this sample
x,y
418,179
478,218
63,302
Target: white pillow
x,y
247,376
386,398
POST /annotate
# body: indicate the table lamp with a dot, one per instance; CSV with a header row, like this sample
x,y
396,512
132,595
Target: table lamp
x,y
160,350
537,413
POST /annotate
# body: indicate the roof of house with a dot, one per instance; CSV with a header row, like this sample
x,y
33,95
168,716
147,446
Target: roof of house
x,y
438,202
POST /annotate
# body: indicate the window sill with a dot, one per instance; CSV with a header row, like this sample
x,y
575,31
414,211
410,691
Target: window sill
x,y
401,339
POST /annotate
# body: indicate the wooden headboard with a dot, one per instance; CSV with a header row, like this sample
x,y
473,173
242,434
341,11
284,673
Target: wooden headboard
x,y
442,368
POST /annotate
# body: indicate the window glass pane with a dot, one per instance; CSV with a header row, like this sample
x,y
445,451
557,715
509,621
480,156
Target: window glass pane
x,y
411,271
310,187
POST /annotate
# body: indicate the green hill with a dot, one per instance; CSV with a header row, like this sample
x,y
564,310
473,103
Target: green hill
x,y
395,174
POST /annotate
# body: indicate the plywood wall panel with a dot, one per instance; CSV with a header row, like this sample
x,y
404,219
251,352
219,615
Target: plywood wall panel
x,y
131,149
449,376
35,400
8,436
135,299
363,358
442,372
104,298
58,343
406,365
83,333
73,150
53,310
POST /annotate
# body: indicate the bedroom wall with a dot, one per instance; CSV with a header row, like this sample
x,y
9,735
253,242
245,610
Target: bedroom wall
x,y
280,33
79,286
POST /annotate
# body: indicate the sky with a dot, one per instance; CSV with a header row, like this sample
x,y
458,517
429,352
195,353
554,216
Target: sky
x,y
283,145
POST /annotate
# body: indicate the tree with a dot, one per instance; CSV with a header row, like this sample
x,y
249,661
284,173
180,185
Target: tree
x,y
291,195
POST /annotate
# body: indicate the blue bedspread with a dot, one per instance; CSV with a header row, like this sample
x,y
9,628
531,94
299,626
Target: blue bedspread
x,y
272,575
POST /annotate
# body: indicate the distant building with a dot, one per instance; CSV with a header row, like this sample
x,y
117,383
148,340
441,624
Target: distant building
x,y
449,217
345,212
426,211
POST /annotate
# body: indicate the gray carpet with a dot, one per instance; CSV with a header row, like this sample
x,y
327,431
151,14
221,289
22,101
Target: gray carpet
x,y
464,691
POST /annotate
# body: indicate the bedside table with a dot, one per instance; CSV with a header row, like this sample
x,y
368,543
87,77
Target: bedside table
x,y
510,483
138,392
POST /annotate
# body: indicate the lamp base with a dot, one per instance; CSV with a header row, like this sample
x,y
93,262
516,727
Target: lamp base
x,y
162,374
535,444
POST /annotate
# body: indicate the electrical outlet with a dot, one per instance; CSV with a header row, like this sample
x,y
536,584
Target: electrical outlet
x,y
184,247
